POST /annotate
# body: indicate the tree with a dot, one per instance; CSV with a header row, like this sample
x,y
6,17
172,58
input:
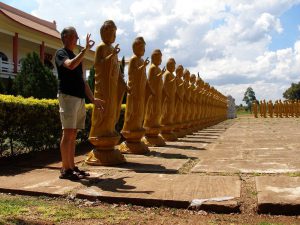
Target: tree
x,y
91,79
122,69
292,92
9,86
249,97
35,79
2,89
91,83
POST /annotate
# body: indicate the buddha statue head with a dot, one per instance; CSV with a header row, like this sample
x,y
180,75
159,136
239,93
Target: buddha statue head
x,y
156,57
186,75
171,65
193,79
179,71
108,32
138,46
199,81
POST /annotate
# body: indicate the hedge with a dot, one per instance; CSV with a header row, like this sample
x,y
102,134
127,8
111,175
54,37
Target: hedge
x,y
29,124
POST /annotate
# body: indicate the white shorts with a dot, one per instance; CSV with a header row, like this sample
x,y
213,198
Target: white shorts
x,y
72,111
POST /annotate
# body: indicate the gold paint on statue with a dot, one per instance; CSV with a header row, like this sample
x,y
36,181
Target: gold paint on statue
x,y
154,103
168,102
109,86
186,102
254,108
139,89
179,99
270,108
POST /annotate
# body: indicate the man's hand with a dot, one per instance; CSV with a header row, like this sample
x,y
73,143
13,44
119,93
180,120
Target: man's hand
x,y
99,103
89,43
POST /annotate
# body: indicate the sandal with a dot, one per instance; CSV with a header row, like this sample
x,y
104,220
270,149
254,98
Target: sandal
x,y
69,175
81,172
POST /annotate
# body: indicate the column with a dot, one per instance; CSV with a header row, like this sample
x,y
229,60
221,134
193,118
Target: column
x,y
15,51
42,52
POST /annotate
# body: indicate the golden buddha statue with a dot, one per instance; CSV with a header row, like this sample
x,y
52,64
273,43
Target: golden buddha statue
x,y
270,108
199,87
286,109
186,102
194,96
254,108
298,108
276,112
206,104
179,98
139,88
202,105
264,109
261,108
168,102
280,108
291,108
154,104
295,109
109,86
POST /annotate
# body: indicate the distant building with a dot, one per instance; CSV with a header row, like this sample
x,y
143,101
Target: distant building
x,y
22,33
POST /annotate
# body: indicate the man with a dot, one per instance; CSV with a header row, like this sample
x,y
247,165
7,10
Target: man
x,y
72,89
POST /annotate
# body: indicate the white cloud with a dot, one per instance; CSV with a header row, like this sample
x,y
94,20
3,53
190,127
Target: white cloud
x,y
267,22
226,41
89,23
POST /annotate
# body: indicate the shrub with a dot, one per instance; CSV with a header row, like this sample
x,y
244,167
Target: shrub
x,y
2,89
29,124
35,79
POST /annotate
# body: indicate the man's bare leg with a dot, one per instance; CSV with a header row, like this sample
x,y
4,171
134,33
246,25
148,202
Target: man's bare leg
x,y
67,145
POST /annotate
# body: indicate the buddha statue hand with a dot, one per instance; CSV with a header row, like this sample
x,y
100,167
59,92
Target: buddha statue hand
x,y
146,62
116,49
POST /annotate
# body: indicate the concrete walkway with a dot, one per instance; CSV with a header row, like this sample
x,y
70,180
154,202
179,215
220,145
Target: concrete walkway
x,y
203,169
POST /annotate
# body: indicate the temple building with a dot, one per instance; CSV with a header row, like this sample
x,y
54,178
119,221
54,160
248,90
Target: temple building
x,y
22,33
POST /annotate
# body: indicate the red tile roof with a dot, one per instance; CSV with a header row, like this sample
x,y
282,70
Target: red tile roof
x,y
46,27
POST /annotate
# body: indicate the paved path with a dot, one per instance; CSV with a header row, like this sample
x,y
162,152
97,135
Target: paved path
x,y
205,168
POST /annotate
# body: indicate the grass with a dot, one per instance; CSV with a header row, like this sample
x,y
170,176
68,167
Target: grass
x,y
12,207
243,112
254,193
295,174
257,174
267,223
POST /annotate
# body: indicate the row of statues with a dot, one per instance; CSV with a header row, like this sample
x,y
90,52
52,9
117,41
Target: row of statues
x,y
167,104
280,109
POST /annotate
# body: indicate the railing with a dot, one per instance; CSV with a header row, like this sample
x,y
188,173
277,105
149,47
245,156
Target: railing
x,y
7,69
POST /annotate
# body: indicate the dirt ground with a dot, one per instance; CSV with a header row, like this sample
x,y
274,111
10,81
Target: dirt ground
x,y
105,213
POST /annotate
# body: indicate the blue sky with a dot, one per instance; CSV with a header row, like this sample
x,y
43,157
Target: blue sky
x,y
26,6
290,21
233,44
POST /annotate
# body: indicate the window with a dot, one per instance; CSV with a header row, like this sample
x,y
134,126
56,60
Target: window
x,y
4,66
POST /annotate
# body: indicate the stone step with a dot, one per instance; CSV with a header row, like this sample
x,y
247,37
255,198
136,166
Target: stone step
x,y
278,195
